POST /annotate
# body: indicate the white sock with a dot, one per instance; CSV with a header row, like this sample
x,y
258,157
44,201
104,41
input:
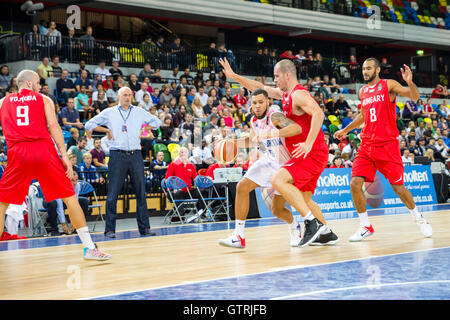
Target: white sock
x,y
416,213
85,237
293,225
327,230
239,229
364,219
309,216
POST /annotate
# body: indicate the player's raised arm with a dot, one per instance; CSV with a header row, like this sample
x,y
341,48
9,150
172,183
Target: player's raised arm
x,y
56,133
302,99
411,91
251,85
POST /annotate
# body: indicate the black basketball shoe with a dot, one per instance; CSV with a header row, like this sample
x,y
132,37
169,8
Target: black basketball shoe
x,y
327,239
313,229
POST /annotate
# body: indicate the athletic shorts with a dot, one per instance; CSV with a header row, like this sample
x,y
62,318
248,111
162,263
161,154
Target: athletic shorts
x,y
34,160
306,171
384,158
262,171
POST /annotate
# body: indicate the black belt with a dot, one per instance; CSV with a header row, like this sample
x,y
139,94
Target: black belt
x,y
130,152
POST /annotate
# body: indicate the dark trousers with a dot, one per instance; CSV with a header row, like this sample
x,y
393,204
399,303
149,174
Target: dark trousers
x,y
120,165
53,216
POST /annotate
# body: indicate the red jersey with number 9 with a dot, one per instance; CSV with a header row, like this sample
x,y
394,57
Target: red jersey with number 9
x,y
22,116
380,121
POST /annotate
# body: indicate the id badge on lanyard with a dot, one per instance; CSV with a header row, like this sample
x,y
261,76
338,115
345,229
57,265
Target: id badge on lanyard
x,y
124,125
124,128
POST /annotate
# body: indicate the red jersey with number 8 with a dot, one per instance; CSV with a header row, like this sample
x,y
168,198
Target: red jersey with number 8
x,y
380,122
23,118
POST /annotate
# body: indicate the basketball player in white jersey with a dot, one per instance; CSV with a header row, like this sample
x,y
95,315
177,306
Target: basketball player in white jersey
x,y
269,126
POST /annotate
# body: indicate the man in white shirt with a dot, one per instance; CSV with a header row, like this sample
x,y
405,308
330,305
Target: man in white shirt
x,y
101,69
405,158
202,96
139,96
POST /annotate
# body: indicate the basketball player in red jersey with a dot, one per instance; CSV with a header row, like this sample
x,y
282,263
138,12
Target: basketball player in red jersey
x,y
29,124
379,149
297,179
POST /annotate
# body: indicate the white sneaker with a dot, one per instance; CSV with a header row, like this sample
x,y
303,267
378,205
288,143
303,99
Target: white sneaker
x,y
234,241
425,227
362,233
296,235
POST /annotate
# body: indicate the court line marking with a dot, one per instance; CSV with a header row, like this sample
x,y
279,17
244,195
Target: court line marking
x,y
371,286
258,273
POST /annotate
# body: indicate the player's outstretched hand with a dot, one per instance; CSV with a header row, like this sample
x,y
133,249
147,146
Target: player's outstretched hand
x,y
339,134
406,74
226,68
302,150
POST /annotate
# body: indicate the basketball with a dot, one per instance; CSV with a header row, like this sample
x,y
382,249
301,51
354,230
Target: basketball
x,y
373,191
267,195
225,151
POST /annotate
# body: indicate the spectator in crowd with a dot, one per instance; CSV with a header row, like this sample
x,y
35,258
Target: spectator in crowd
x,y
79,149
147,138
197,108
332,108
140,94
386,69
98,155
440,92
182,168
174,77
5,79
112,94
178,118
83,67
88,42
353,68
350,149
165,96
70,117
428,110
73,140
159,168
410,111
53,38
228,118
146,72
429,153
45,90
348,119
101,69
337,163
65,86
101,103
177,52
239,99
420,130
83,80
405,157
146,103
187,75
134,84
202,96
188,124
343,105
69,45
442,149
83,105
442,67
115,71
167,130
88,172
56,68
421,147
45,70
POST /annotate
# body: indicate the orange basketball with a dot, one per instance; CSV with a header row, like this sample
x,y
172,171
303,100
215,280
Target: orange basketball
x,y
225,151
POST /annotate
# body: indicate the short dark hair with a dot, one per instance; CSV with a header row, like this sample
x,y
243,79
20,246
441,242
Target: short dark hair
x,y
375,60
80,139
260,91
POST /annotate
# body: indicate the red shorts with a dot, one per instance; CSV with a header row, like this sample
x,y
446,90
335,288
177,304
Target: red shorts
x,y
306,171
34,160
384,158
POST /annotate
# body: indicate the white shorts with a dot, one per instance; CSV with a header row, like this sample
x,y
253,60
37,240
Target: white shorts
x,y
262,170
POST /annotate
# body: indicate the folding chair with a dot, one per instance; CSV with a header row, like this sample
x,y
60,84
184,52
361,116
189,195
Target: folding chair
x,y
189,205
205,183
87,188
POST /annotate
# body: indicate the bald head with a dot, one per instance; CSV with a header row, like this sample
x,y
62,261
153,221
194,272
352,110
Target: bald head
x,y
28,79
285,66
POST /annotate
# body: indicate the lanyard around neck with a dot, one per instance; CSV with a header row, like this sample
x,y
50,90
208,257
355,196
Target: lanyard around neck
x,y
124,119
